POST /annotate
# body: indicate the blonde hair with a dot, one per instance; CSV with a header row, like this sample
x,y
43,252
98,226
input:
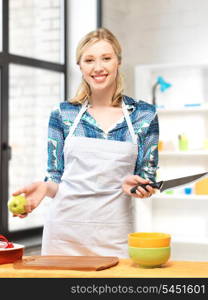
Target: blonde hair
x,y
92,37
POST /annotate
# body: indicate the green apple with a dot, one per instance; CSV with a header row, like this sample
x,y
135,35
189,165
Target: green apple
x,y
17,204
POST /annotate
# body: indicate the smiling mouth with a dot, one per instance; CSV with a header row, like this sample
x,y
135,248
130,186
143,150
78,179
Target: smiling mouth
x,y
99,78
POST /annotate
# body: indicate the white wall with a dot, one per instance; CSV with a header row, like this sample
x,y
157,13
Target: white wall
x,y
82,19
158,31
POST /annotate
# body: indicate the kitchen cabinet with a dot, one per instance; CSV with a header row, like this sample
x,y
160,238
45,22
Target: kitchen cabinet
x,y
182,110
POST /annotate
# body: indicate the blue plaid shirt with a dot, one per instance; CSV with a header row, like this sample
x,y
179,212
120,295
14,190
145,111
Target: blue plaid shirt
x,y
145,123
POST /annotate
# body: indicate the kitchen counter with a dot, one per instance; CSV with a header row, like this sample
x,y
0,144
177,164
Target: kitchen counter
x,y
125,269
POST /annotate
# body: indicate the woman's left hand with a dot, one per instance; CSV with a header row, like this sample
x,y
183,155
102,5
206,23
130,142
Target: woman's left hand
x,y
133,180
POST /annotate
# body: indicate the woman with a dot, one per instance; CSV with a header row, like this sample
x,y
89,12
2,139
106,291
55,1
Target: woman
x,y
101,144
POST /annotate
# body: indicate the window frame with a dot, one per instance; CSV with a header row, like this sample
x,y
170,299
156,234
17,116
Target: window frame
x,y
6,58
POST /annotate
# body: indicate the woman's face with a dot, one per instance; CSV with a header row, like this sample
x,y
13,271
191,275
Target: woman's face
x,y
99,65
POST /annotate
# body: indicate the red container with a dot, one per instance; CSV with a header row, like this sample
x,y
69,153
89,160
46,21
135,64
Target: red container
x,y
10,255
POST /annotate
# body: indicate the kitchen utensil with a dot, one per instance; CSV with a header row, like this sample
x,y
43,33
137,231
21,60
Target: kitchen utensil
x,y
168,184
10,255
80,263
149,257
149,239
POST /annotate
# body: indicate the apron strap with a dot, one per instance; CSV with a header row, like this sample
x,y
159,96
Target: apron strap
x,y
129,123
78,117
125,112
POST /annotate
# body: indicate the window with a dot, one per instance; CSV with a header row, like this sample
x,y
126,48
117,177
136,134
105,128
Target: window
x,y
33,67
34,63
33,94
37,29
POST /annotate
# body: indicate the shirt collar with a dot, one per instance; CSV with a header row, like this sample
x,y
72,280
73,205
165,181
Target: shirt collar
x,y
130,103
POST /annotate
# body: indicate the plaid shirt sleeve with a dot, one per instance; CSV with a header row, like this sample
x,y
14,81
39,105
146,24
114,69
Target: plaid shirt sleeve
x,y
55,147
149,164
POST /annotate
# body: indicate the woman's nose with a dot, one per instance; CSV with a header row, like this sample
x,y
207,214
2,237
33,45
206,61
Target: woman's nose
x,y
98,65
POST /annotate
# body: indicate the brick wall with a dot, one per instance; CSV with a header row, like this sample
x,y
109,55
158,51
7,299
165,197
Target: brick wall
x,y
35,28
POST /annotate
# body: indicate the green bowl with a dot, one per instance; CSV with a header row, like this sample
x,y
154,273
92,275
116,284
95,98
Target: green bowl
x,y
149,257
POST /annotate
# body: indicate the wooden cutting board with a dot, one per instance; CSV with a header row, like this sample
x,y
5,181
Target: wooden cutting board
x,y
80,263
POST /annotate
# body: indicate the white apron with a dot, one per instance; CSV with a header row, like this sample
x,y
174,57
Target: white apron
x,y
90,214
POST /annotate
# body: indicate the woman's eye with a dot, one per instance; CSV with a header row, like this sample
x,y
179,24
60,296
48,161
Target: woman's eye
x,y
107,58
88,60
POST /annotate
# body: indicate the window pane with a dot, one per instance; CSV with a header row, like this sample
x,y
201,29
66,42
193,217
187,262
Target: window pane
x,y
33,94
36,29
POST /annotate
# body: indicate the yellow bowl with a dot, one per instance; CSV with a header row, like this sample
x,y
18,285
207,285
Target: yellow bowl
x,y
149,257
149,239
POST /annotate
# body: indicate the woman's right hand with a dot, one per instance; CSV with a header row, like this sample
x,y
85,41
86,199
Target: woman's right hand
x,y
34,194
131,181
